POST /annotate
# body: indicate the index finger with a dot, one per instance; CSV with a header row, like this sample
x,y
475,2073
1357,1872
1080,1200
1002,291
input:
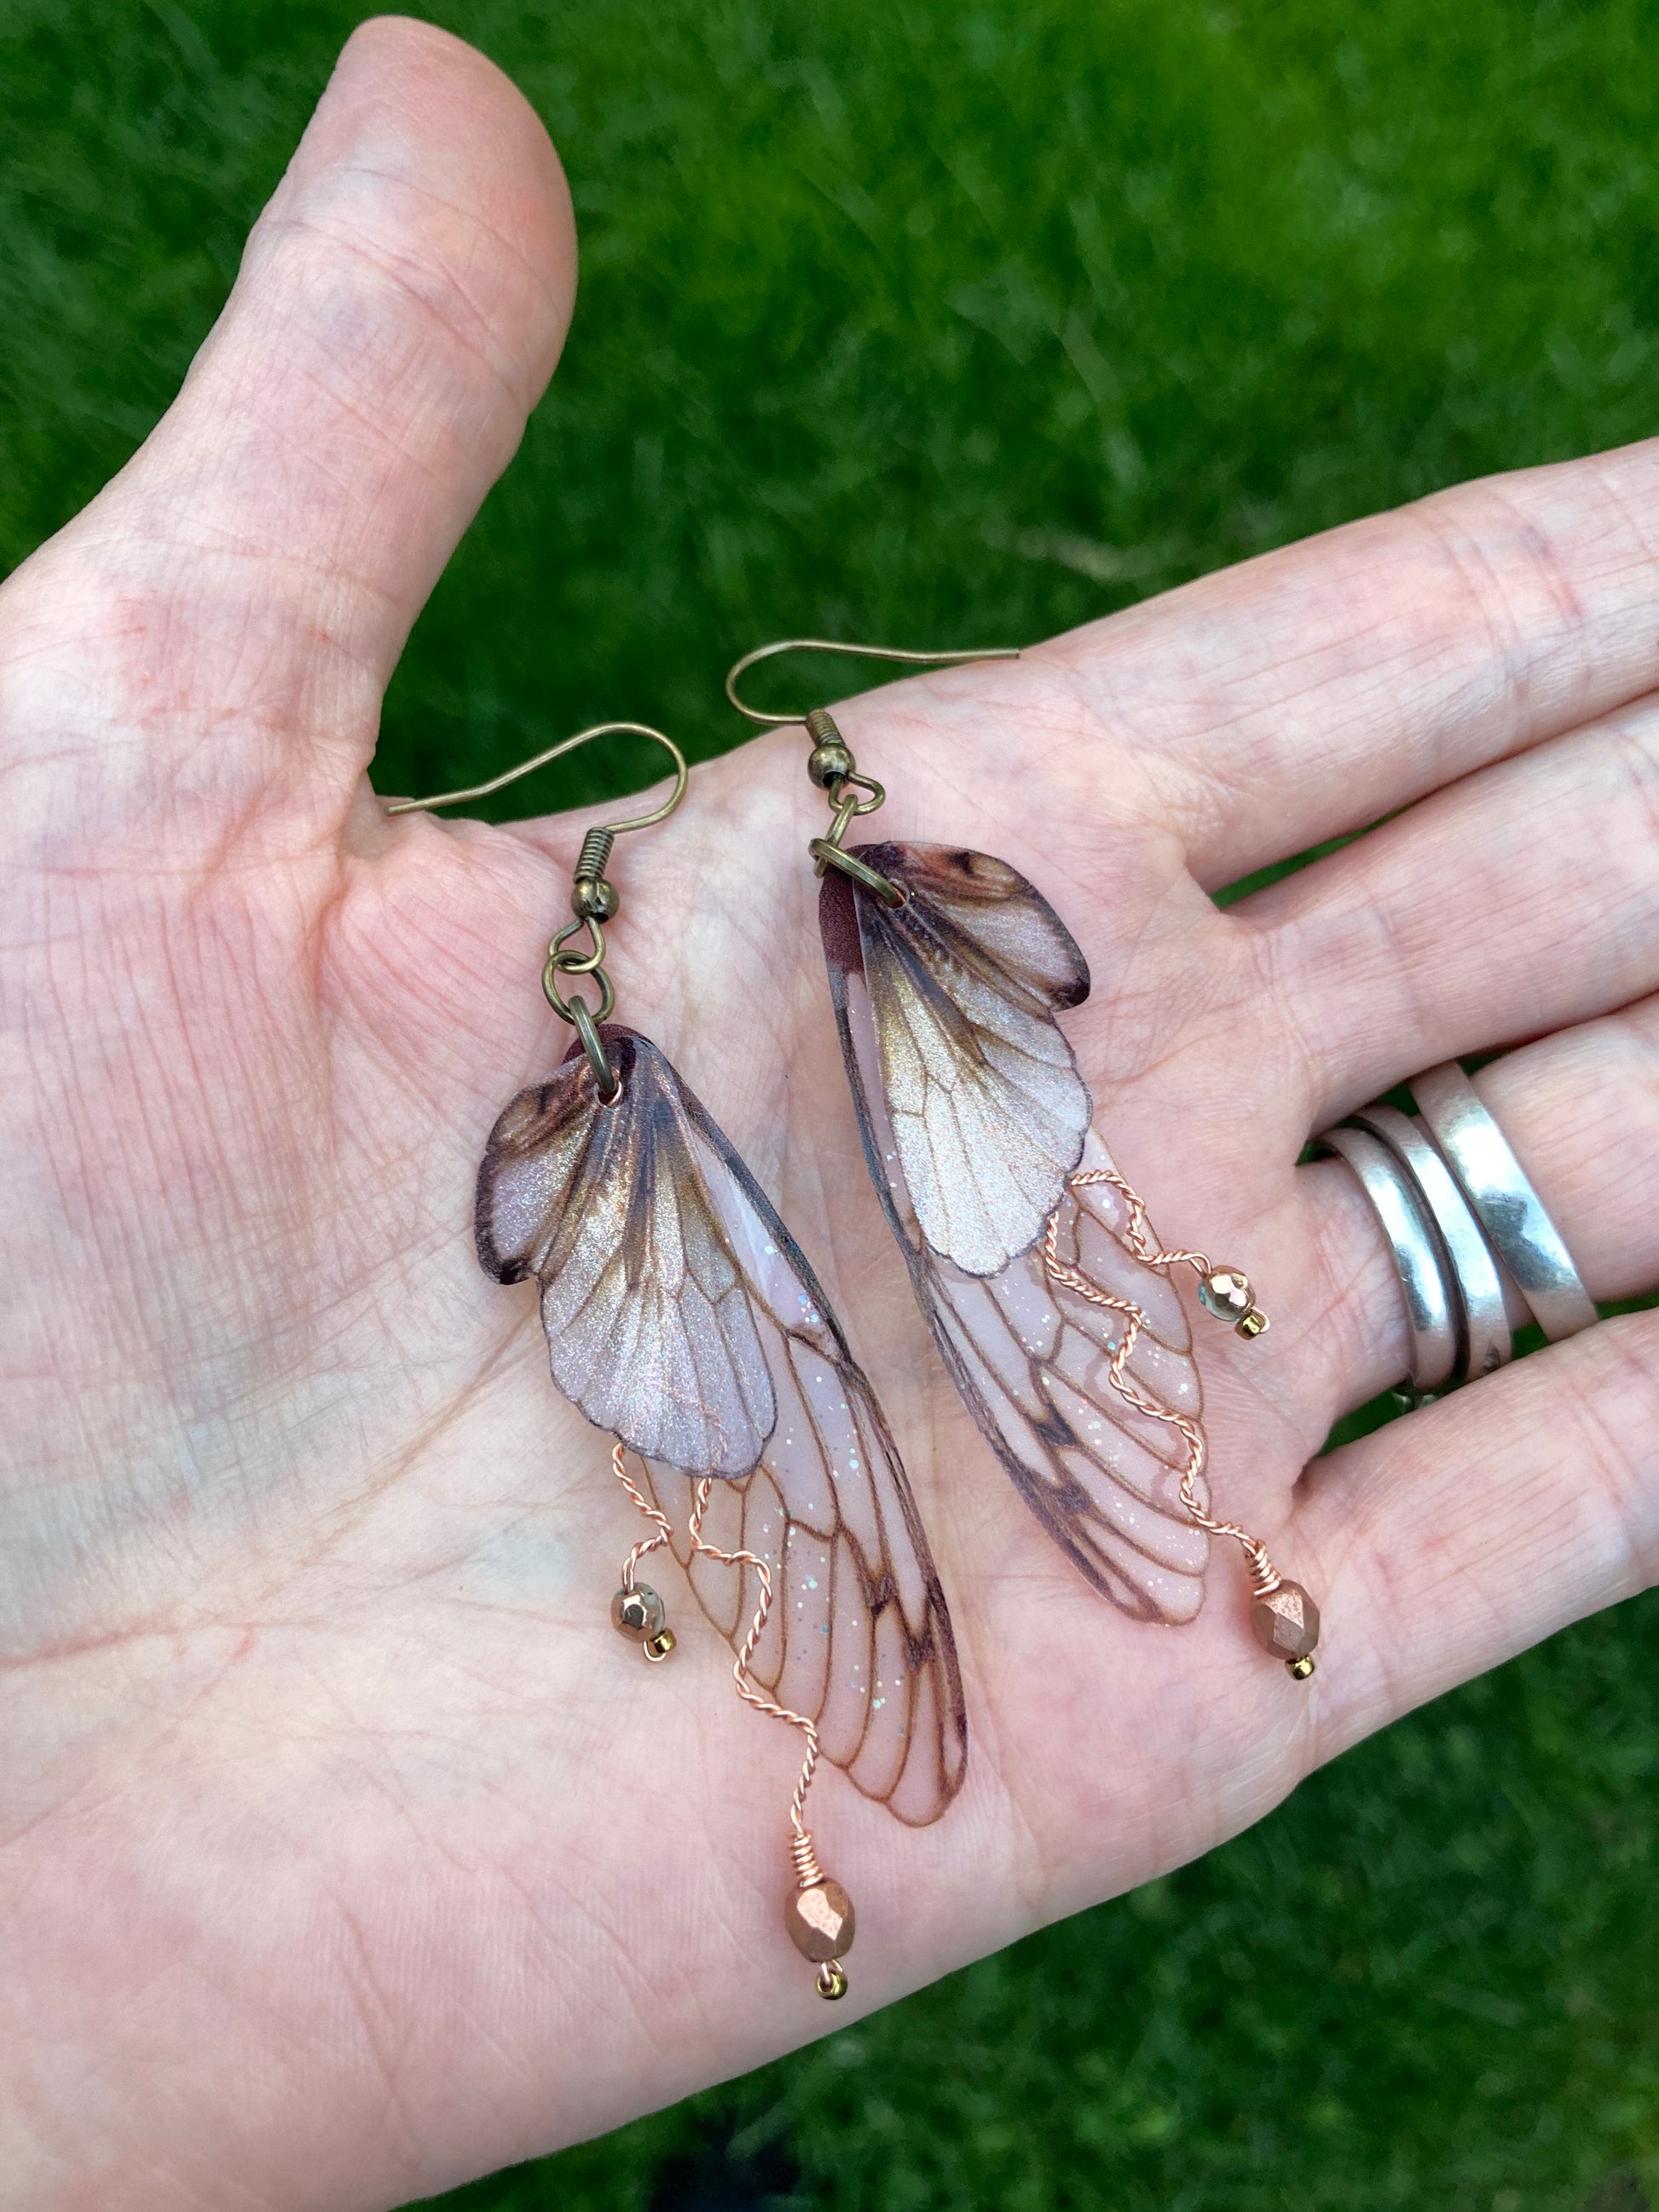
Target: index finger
x,y
1305,694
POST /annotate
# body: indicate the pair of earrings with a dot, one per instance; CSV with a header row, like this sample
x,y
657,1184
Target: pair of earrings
x,y
683,1318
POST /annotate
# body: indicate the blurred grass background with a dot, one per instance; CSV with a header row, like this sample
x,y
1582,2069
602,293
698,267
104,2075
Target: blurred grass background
x,y
943,323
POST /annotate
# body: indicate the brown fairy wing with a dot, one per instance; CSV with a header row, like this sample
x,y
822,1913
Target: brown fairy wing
x,y
987,1109
686,1319
1028,1356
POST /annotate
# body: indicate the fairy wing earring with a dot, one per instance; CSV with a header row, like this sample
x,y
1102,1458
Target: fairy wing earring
x,y
1049,1296
682,1317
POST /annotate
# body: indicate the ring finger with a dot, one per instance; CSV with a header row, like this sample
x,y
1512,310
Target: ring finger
x,y
1581,1112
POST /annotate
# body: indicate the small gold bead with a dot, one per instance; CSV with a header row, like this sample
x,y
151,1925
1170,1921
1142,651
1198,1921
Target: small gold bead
x,y
659,1645
1301,1668
1254,1323
830,1980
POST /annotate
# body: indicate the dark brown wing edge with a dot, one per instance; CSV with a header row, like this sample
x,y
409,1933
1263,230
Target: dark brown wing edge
x,y
934,1652
838,921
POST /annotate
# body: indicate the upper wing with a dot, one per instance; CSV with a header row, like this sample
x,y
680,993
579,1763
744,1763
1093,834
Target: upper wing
x,y
987,1109
677,1300
1031,1357
650,1327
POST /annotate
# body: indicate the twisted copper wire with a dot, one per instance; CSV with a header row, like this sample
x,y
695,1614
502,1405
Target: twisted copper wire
x,y
1265,1577
652,1512
1134,1229
831,1974
801,1846
806,1866
808,1872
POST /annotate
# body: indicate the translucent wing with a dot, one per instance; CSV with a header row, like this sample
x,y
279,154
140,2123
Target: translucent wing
x,y
858,1639
650,1326
1028,1356
681,1314
988,1111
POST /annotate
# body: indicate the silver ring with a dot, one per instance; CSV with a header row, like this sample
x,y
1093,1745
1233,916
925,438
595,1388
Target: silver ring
x,y
1506,1204
1488,1340
1430,1322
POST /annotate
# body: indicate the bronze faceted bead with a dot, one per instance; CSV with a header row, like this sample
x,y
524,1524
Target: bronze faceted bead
x,y
1286,1623
1226,1293
639,1613
820,1921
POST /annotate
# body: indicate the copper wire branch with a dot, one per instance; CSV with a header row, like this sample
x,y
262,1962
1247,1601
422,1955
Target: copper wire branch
x,y
806,1866
809,1874
1265,1577
652,1512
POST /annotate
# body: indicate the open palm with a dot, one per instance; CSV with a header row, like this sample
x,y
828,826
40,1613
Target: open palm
x,y
347,1850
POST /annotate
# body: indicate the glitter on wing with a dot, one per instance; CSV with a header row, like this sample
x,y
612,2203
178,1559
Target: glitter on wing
x,y
648,1329
686,1315
1028,1358
987,1105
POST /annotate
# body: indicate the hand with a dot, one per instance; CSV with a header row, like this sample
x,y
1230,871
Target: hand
x,y
347,1849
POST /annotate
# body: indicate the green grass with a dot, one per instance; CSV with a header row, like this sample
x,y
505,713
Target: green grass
x,y
1432,1980
946,323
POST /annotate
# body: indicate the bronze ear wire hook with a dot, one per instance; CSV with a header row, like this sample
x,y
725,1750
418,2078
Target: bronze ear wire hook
x,y
851,652
593,900
831,765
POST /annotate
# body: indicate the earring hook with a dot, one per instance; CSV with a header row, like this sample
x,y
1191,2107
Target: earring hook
x,y
831,765
593,900
555,753
853,651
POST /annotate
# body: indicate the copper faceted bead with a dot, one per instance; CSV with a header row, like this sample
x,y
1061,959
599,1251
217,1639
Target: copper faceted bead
x,y
1286,1623
820,1921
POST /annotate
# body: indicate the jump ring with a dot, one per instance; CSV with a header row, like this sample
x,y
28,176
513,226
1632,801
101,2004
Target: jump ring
x,y
831,855
578,963
605,1076
566,1008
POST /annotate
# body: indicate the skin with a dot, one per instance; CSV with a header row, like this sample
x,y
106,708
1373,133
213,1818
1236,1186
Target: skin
x,y
346,1850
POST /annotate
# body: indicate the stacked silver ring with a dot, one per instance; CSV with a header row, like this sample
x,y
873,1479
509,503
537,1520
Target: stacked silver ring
x,y
1475,1249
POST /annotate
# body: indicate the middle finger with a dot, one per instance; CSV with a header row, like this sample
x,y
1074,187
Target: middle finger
x,y
1515,902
